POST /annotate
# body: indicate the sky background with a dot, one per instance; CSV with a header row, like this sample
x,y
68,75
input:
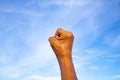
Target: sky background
x,y
26,25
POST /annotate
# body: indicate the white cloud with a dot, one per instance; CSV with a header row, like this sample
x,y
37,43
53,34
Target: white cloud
x,y
94,67
39,55
10,72
38,58
87,57
116,76
22,11
116,41
3,59
37,77
13,75
68,3
112,40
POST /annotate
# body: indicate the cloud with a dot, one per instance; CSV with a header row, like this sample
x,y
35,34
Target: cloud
x,y
116,41
3,59
85,57
113,41
16,10
10,72
13,75
94,68
38,77
38,55
68,3
116,76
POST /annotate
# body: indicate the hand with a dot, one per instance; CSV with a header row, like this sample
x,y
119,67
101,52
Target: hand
x,y
61,43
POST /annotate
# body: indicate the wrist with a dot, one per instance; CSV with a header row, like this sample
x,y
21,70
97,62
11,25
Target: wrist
x,y
63,55
65,59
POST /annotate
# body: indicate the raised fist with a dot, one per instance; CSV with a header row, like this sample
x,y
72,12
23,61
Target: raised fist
x,y
61,43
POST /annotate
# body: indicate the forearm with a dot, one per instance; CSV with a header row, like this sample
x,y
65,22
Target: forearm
x,y
67,68
61,44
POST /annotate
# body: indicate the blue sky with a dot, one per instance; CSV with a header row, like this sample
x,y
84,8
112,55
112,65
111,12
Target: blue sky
x,y
26,25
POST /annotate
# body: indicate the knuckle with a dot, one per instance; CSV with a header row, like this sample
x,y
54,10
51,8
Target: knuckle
x,y
70,34
50,39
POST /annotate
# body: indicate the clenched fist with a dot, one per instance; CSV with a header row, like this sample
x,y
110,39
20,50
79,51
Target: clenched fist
x,y
61,43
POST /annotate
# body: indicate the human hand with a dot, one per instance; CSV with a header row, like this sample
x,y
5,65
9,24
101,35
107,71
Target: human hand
x,y
61,43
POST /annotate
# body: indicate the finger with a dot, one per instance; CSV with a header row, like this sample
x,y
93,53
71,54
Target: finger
x,y
51,39
60,33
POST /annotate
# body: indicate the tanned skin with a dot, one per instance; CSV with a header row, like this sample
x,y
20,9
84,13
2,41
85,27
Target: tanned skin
x,y
61,44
